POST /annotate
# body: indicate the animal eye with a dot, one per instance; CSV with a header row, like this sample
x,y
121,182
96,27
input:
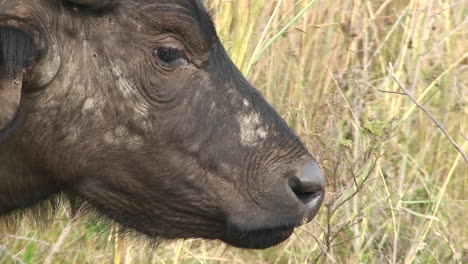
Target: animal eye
x,y
170,58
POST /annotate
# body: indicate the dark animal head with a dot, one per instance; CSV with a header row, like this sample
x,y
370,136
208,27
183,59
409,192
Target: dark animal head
x,y
135,108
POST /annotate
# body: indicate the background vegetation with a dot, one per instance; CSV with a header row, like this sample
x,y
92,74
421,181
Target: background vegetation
x,y
396,182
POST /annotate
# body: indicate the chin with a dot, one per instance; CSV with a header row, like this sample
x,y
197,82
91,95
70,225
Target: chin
x,y
257,239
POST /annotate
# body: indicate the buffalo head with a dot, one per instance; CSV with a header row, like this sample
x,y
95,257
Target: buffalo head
x,y
135,108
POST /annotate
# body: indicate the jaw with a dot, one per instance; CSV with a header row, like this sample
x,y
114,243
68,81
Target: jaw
x,y
257,239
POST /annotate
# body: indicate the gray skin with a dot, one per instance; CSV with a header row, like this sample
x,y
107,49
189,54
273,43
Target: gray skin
x,y
134,108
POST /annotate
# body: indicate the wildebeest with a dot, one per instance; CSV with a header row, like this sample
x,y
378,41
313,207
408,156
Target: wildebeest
x,y
134,109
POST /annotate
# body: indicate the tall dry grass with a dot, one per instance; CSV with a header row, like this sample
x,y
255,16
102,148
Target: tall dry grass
x,y
396,182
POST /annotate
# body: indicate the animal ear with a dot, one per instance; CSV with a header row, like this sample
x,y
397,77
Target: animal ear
x,y
17,51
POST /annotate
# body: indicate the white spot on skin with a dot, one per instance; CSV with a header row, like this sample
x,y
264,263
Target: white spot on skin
x,y
124,87
92,108
73,135
122,137
251,129
262,133
129,92
135,143
110,138
212,108
88,105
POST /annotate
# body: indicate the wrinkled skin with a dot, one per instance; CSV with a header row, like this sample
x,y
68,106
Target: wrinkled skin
x,y
171,145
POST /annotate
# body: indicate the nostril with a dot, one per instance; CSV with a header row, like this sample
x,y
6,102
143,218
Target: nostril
x,y
309,183
306,192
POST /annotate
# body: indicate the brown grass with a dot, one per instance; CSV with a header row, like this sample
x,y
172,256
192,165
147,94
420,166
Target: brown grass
x,y
396,185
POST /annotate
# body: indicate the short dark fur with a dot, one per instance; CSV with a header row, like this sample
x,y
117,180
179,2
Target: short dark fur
x,y
168,151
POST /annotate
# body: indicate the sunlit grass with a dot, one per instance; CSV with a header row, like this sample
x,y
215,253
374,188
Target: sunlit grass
x,y
396,185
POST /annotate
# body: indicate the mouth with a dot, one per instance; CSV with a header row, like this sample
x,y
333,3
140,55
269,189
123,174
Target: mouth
x,y
257,239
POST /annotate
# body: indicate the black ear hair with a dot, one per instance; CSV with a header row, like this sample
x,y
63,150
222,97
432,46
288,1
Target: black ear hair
x,y
17,50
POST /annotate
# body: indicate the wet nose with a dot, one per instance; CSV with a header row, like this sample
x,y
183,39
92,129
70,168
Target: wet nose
x,y
294,199
308,185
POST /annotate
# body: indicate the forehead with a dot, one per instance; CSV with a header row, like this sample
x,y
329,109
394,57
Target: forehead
x,y
190,8
184,17
190,4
